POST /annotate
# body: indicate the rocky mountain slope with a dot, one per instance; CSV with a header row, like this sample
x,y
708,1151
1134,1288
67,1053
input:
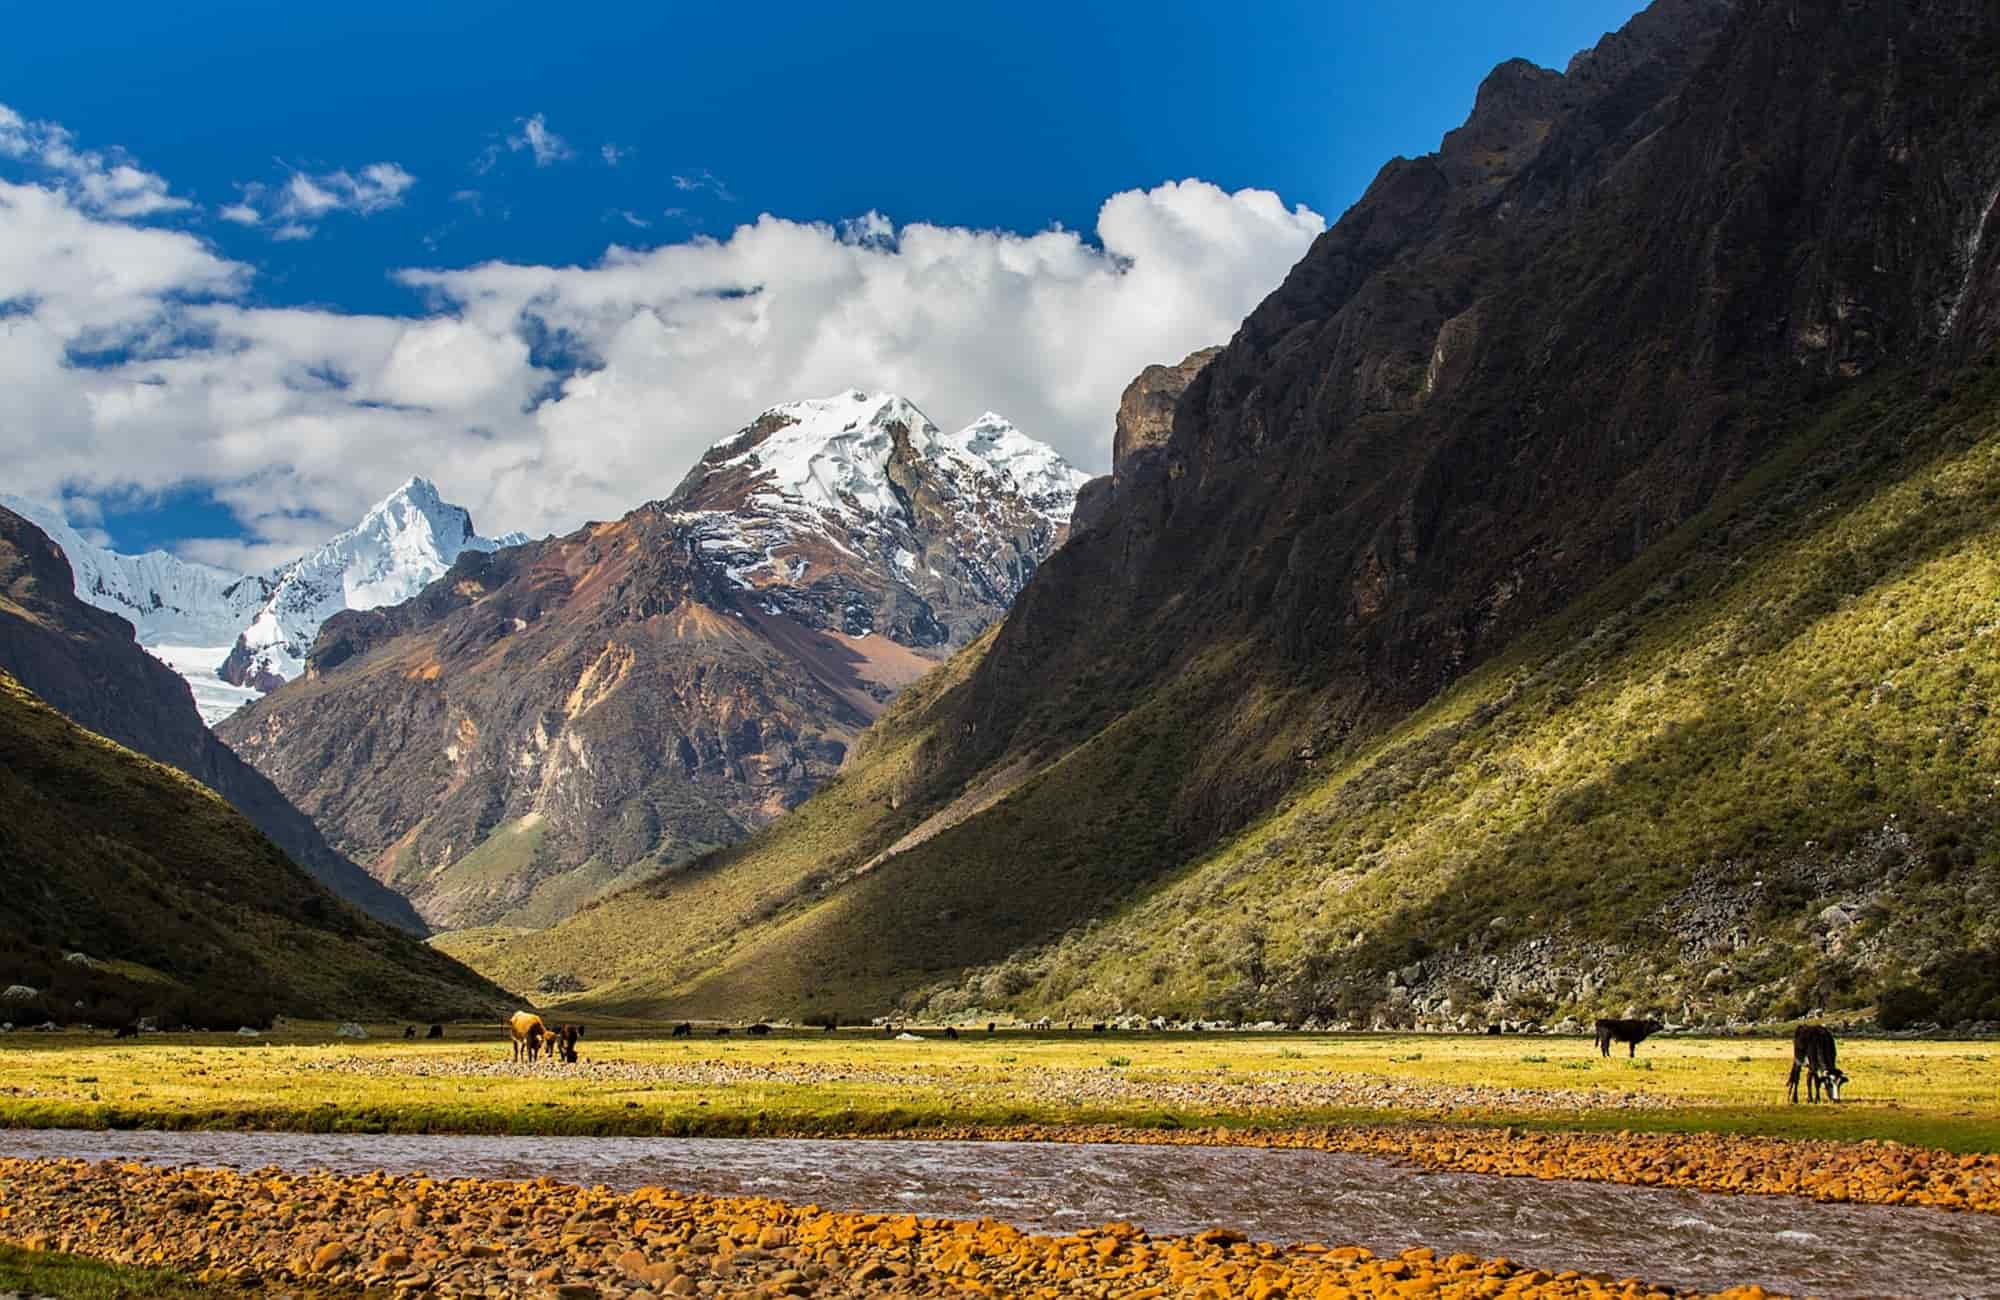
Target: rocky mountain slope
x,y
133,890
1567,591
85,663
546,722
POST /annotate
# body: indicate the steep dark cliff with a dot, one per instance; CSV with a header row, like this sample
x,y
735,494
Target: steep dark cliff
x,y
1634,328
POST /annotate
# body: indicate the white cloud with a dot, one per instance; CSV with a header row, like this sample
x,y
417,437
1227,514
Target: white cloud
x,y
613,154
107,184
297,205
541,396
536,137
705,180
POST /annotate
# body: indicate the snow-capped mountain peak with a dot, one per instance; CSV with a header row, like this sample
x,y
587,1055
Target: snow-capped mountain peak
x,y
403,543
164,597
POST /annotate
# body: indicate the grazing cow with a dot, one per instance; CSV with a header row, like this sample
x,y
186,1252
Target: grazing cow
x,y
683,1030
1492,1031
562,1044
722,1031
528,1032
437,1031
951,1033
760,1029
1812,1051
127,1031
992,1027
1097,1028
1630,1032
409,1031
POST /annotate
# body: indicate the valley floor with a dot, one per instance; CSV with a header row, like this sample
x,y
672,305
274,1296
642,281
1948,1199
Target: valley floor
x,y
1698,1115
1234,1087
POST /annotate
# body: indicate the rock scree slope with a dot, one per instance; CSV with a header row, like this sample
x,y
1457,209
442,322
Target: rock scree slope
x,y
1544,602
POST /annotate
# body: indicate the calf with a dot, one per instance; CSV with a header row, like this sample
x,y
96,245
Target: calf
x,y
527,1031
1630,1032
1813,1052
562,1046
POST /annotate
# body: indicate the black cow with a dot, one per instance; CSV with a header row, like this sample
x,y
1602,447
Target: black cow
x,y
760,1029
127,1031
1097,1028
1630,1032
992,1027
832,1022
722,1031
950,1033
563,1045
409,1031
437,1031
683,1029
1813,1052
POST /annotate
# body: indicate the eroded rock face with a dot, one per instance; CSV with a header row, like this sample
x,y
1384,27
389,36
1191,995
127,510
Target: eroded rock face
x,y
1146,409
546,722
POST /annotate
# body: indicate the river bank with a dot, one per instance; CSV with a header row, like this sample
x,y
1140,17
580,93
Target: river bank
x,y
470,1236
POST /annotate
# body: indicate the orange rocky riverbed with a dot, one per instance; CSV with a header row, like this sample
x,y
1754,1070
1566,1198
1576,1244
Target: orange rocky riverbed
x,y
471,1237
1862,1173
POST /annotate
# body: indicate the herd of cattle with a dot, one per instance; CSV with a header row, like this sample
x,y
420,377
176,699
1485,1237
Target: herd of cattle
x,y
1814,1057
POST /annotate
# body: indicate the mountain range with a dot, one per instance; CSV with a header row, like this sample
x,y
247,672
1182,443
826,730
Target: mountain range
x,y
550,721
234,636
87,663
1570,592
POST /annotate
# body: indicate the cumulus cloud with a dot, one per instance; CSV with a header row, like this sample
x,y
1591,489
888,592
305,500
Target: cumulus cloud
x,y
536,137
109,184
541,396
294,207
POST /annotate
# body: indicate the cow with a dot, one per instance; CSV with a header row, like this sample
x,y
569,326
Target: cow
x,y
832,1022
528,1031
1630,1032
951,1033
437,1031
992,1027
562,1044
1097,1028
722,1031
759,1029
1812,1051
683,1030
127,1031
409,1031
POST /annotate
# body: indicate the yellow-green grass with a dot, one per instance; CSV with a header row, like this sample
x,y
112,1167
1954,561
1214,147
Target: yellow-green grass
x,y
74,1277
1934,1093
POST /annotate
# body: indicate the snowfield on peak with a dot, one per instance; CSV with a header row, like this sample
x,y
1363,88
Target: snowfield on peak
x,y
233,636
405,543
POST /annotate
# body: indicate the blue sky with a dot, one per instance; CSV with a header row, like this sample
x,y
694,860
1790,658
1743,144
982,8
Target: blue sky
x,y
981,116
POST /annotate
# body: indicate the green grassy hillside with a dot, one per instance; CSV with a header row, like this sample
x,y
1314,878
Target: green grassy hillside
x,y
186,912
1792,690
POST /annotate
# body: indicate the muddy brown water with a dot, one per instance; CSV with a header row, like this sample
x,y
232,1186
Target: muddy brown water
x,y
1683,1238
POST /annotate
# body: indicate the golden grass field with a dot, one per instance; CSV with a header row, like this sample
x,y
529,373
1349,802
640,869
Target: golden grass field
x,y
638,1080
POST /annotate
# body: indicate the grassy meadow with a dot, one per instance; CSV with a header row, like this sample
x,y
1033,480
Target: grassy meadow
x,y
639,1081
